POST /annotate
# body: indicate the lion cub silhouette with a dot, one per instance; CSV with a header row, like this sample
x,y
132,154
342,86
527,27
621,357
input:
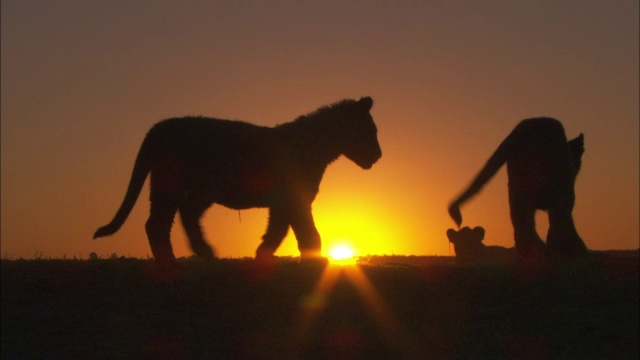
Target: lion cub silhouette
x,y
542,168
194,162
467,243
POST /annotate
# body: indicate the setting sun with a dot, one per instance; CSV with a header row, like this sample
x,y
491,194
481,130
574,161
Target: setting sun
x,y
342,254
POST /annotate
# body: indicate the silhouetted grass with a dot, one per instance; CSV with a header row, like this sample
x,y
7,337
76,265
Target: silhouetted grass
x,y
425,308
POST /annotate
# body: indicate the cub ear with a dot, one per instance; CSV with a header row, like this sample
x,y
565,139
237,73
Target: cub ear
x,y
478,232
366,103
577,145
452,235
578,141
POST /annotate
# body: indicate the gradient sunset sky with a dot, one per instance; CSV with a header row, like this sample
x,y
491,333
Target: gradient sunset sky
x,y
83,81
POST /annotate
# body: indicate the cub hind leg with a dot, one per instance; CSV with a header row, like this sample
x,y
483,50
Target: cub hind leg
x,y
529,246
191,210
158,228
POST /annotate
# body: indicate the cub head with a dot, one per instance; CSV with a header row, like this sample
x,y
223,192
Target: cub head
x,y
467,244
359,135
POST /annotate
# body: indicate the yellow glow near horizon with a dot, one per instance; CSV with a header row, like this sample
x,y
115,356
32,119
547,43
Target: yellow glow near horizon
x,y
356,221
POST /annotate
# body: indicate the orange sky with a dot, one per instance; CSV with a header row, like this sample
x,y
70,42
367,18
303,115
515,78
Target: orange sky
x,y
82,83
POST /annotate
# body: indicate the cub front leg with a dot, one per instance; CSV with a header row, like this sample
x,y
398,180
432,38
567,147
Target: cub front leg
x,y
306,233
562,238
277,229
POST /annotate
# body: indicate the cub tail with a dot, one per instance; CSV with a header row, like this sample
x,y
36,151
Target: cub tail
x,y
492,166
141,169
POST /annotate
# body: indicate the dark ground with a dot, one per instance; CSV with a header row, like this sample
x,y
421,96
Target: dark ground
x,y
406,307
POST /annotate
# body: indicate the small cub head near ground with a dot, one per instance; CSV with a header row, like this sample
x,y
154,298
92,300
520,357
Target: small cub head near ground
x,y
470,250
467,244
542,166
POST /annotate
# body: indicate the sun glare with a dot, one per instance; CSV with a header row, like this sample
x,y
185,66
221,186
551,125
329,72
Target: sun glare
x,y
342,254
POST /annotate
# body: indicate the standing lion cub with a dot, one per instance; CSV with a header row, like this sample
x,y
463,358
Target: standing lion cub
x,y
194,162
542,167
